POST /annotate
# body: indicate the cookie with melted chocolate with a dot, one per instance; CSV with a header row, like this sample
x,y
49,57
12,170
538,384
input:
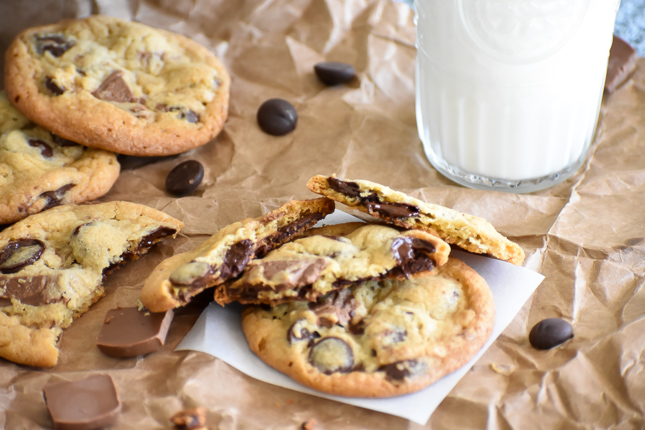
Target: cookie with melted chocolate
x,y
41,170
313,266
377,338
52,266
225,255
118,85
471,233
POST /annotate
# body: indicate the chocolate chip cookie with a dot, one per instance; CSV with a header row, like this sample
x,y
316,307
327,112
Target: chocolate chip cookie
x,y
39,170
466,231
52,265
308,268
377,338
118,85
225,255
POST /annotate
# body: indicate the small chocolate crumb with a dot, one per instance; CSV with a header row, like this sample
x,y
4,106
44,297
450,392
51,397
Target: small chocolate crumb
x,y
189,419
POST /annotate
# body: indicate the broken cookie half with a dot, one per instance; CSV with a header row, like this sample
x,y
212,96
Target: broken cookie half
x,y
468,232
52,265
225,255
313,266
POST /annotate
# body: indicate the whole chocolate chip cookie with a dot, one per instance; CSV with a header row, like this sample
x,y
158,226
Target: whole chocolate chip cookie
x,y
308,268
377,338
225,255
466,231
118,85
39,170
52,266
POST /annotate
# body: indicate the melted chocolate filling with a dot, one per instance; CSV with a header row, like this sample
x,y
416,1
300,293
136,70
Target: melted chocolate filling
x,y
54,198
13,249
27,289
373,203
285,233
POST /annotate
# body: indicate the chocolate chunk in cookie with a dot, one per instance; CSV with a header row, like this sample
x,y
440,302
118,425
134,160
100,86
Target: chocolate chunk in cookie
x,y
466,231
315,265
55,271
42,170
162,95
412,332
226,254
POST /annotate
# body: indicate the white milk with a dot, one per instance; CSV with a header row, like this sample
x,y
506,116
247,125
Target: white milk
x,y
508,91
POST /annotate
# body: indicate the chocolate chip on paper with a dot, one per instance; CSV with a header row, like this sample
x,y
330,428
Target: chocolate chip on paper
x,y
277,117
184,178
550,333
334,73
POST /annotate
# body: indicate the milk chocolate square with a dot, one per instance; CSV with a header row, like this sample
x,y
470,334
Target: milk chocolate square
x,y
128,332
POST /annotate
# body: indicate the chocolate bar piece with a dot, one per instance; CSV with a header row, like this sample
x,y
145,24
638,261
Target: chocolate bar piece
x,y
128,332
91,403
622,62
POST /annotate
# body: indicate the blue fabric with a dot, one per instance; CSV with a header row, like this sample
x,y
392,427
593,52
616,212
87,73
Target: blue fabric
x,y
630,24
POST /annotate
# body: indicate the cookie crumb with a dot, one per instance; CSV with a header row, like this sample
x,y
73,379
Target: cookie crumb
x,y
310,424
189,419
500,368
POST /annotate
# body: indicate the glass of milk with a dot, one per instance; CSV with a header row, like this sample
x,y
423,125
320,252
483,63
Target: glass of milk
x,y
508,91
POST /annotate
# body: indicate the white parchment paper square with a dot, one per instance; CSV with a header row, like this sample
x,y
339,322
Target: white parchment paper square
x,y
218,332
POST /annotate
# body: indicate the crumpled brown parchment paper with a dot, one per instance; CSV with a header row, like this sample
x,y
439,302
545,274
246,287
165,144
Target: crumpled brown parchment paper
x,y
586,235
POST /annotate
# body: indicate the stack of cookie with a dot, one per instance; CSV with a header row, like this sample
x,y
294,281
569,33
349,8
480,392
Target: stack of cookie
x,y
358,309
77,94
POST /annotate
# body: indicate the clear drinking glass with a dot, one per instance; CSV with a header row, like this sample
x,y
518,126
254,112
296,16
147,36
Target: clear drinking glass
x,y
508,91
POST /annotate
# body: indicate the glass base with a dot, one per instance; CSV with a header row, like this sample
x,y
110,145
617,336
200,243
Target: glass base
x,y
480,182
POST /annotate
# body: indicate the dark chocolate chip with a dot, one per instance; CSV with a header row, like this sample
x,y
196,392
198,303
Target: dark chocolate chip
x,y
550,333
334,73
392,209
155,236
285,232
20,253
53,87
55,44
297,332
114,89
54,198
330,355
400,370
277,117
184,178
413,255
45,149
351,189
236,259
